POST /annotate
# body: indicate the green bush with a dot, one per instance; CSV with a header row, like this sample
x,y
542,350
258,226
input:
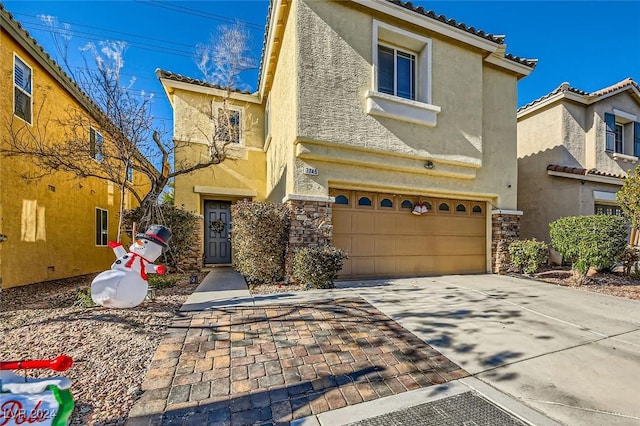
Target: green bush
x,y
181,223
318,267
259,240
162,281
528,255
587,241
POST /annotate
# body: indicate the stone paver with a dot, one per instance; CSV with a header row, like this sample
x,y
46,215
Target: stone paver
x,y
273,364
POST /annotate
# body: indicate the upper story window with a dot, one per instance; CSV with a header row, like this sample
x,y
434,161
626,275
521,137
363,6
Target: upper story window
x,y
96,142
228,125
22,83
401,83
396,72
622,134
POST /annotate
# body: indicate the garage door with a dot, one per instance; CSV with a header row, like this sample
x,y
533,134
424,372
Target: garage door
x,y
384,238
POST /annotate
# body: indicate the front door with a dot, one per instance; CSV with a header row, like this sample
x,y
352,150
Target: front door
x,y
217,245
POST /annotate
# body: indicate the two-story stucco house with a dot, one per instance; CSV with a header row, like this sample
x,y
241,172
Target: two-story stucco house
x,y
574,149
388,130
55,227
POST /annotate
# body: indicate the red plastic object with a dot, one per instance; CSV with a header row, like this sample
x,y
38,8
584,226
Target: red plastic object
x,y
60,363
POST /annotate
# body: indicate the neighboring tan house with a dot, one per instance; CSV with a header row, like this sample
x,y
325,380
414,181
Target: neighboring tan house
x,y
57,226
365,111
574,150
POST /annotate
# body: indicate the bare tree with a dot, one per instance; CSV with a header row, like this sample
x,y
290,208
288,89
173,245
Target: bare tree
x,y
118,133
226,56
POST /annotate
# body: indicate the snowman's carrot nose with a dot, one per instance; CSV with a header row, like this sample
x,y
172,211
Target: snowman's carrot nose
x,y
60,363
139,242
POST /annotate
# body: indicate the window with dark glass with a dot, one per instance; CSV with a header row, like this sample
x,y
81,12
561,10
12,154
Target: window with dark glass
x,y
341,199
608,210
101,227
364,201
386,203
22,90
396,72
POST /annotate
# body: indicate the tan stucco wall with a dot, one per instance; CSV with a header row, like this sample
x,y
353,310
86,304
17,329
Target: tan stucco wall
x,y
567,134
245,167
50,223
603,160
283,115
475,130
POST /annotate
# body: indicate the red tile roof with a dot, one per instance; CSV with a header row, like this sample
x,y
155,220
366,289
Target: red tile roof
x,y
581,171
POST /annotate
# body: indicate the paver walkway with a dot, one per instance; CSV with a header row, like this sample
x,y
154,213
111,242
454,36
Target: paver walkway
x,y
271,364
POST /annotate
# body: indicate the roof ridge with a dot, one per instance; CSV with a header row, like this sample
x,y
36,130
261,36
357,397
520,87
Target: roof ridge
x,y
566,87
160,73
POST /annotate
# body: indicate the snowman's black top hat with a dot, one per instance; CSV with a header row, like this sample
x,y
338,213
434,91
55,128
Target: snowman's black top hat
x,y
158,234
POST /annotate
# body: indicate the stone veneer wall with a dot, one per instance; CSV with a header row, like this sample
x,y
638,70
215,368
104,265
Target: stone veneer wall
x,y
310,226
193,260
505,228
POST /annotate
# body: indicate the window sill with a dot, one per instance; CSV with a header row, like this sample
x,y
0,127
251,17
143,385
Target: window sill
x,y
626,158
407,110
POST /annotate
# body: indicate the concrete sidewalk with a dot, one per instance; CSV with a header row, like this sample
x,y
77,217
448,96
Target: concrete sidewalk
x,y
221,287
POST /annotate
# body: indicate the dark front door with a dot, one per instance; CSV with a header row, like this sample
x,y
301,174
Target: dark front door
x,y
217,246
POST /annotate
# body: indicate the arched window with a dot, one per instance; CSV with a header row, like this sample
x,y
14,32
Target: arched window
x,y
427,205
341,199
364,201
406,204
386,203
460,208
477,209
443,207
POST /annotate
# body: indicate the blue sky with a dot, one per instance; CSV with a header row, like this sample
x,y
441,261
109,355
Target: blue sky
x,y
589,44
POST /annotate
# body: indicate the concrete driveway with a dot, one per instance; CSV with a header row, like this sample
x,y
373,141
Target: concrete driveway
x,y
570,354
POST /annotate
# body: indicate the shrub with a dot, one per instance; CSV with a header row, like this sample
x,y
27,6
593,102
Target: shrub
x,y
528,255
162,281
629,258
84,299
596,240
259,240
318,267
181,223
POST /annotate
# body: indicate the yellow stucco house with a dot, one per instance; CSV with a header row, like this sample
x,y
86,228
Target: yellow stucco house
x,y
388,130
575,148
57,226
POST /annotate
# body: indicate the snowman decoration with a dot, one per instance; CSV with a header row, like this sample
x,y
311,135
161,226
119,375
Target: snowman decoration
x,y
125,284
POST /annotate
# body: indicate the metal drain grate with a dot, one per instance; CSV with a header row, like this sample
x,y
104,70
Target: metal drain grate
x,y
466,409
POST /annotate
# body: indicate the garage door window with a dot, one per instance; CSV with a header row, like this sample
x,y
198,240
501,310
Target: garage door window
x,y
477,210
443,207
386,203
461,209
341,199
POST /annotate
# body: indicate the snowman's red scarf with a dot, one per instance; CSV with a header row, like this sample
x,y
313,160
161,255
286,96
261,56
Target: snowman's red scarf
x,y
143,273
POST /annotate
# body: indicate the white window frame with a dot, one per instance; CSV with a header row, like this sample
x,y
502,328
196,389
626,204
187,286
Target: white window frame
x,y
397,50
420,110
217,106
102,227
97,155
15,86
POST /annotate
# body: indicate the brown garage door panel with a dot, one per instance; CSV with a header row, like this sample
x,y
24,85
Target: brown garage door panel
x,y
390,241
412,265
